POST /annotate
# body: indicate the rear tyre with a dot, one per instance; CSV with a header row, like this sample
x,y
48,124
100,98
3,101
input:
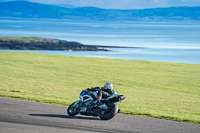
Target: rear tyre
x,y
72,110
110,113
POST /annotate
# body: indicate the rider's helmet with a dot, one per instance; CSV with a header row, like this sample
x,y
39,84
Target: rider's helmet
x,y
108,85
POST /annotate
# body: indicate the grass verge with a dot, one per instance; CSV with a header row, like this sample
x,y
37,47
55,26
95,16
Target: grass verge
x,y
154,89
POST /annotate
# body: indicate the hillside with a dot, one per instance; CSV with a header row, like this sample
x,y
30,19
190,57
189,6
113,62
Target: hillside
x,y
154,89
25,9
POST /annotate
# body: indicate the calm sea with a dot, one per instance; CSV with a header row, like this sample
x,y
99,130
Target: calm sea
x,y
164,42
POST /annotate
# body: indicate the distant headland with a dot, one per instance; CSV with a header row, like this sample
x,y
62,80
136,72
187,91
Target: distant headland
x,y
32,10
38,43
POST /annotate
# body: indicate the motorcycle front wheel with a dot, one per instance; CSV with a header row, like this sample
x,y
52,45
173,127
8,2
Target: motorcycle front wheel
x,y
109,113
72,110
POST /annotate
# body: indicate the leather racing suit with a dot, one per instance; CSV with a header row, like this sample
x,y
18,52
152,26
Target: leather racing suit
x,y
102,93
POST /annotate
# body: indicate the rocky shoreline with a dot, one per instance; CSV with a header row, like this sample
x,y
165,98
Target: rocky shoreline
x,y
37,43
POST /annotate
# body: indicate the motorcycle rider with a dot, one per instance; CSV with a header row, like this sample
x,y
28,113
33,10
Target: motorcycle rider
x,y
103,92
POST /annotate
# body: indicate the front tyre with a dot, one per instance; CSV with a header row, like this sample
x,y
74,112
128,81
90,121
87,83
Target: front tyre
x,y
109,113
72,109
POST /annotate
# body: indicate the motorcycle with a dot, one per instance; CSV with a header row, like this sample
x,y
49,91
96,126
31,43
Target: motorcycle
x,y
86,105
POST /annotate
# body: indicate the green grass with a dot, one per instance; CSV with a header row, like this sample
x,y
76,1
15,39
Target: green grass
x,y
25,39
153,89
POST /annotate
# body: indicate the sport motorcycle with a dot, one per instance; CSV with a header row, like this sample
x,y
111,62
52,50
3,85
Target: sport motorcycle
x,y
87,106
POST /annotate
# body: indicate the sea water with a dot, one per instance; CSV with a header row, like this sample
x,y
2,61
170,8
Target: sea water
x,y
164,42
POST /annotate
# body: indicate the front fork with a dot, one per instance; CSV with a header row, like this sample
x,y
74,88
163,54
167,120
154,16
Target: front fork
x,y
77,104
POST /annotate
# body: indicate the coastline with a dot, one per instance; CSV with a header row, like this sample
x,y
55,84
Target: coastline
x,y
146,54
38,43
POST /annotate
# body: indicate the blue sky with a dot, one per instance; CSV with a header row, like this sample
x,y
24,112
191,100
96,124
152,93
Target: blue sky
x,y
121,4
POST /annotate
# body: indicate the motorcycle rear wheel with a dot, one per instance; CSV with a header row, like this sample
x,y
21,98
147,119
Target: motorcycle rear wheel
x,y
71,110
110,113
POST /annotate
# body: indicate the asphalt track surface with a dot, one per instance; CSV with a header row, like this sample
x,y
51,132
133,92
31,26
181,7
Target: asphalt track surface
x,y
17,116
